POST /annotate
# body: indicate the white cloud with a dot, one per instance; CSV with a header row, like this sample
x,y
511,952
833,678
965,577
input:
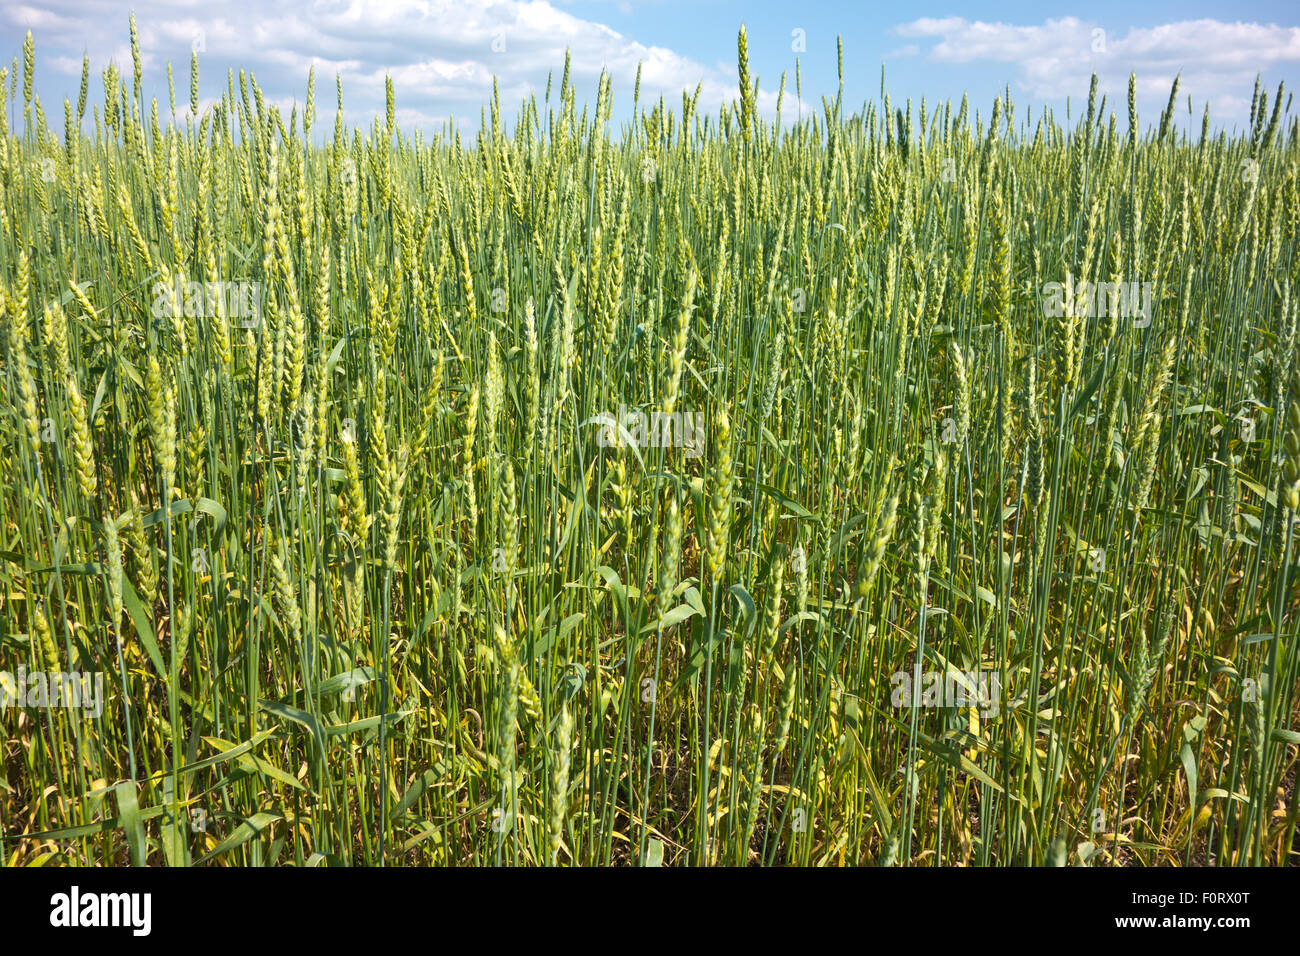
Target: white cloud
x,y
1217,61
442,55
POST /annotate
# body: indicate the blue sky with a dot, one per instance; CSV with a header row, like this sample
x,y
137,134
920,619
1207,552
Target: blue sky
x,y
443,55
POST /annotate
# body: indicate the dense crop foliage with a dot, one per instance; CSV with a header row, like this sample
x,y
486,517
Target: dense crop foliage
x,y
379,565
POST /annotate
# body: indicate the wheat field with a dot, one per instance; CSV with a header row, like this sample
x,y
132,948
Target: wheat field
x,y
882,486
